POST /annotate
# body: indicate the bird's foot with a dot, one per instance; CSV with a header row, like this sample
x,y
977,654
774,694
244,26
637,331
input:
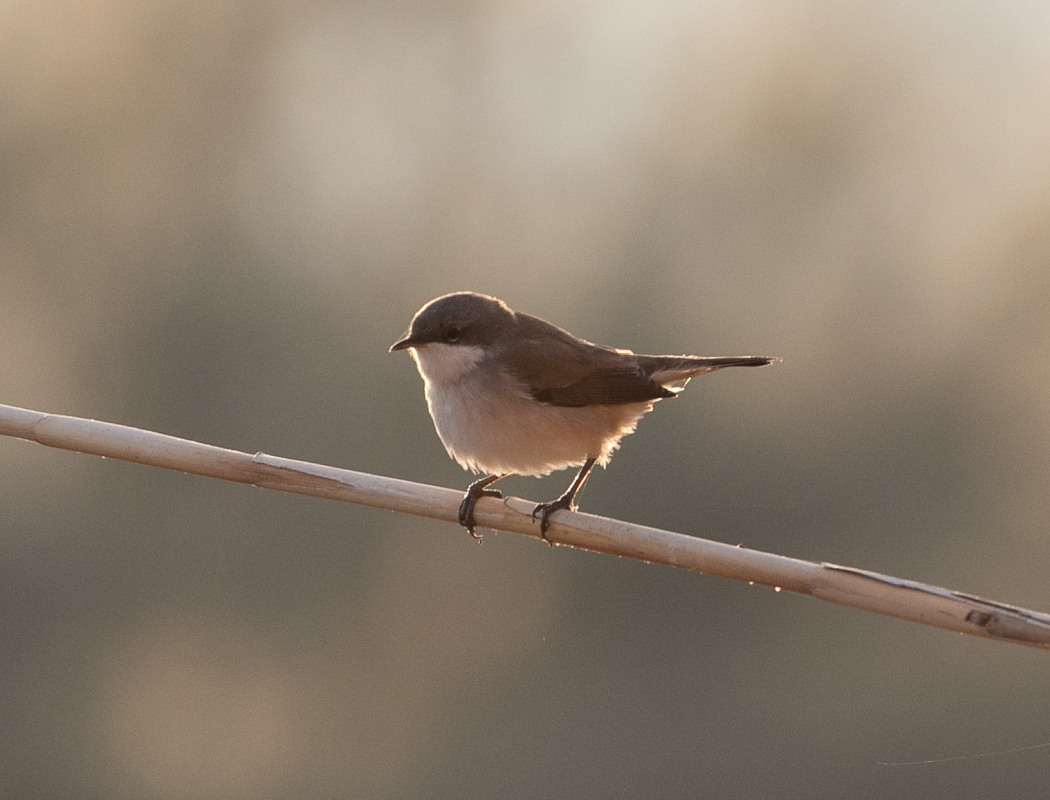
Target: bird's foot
x,y
544,510
466,508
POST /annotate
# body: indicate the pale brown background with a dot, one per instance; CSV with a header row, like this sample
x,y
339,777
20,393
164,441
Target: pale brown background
x,y
214,219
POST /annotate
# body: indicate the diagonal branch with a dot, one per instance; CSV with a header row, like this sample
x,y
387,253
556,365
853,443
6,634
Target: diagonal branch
x,y
869,591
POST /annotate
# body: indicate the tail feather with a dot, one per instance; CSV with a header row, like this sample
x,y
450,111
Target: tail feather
x,y
670,369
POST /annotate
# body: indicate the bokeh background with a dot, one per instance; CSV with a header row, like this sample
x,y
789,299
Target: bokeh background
x,y
215,218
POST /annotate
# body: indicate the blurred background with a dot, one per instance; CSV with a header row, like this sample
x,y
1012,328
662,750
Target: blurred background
x,y
214,220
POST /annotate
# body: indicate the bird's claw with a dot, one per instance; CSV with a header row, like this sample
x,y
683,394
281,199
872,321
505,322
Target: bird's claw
x,y
466,508
544,510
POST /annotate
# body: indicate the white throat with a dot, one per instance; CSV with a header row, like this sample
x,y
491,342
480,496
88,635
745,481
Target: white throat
x,y
442,364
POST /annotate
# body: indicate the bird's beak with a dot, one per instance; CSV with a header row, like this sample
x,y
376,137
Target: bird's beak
x,y
404,344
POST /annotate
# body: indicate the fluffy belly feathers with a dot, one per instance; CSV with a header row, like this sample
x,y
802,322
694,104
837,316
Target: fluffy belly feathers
x,y
507,431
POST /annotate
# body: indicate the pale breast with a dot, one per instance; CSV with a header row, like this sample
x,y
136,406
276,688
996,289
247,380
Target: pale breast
x,y
489,423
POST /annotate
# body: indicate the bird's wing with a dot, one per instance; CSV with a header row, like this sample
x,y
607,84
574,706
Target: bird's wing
x,y
561,370
609,387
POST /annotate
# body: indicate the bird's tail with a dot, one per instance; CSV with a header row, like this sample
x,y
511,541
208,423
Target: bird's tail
x,y
671,369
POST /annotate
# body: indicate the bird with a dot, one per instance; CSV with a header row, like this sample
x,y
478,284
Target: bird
x,y
512,394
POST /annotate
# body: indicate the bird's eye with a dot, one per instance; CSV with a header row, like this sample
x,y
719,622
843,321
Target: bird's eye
x,y
452,334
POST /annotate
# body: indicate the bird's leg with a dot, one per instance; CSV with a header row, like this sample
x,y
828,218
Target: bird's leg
x,y
470,499
544,510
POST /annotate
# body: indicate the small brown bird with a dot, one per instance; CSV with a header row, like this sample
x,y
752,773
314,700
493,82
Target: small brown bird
x,y
511,394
